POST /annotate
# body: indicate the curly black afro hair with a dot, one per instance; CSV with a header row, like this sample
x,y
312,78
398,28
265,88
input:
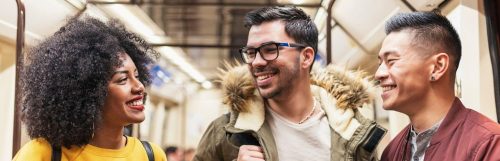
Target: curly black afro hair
x,y
65,81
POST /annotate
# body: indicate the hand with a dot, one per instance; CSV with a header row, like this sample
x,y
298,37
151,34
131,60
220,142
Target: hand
x,y
250,153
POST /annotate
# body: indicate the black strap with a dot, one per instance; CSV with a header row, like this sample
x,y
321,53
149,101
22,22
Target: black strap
x,y
375,136
149,150
240,139
56,153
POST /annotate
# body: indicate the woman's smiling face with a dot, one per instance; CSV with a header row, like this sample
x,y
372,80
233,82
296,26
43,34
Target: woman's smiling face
x,y
125,97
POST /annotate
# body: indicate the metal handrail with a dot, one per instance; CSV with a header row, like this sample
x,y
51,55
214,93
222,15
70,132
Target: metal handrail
x,y
21,15
329,28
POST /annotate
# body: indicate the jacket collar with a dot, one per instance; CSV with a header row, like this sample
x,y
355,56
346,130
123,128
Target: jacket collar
x,y
339,91
455,117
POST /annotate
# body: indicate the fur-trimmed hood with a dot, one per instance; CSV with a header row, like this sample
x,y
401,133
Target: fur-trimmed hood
x,y
339,91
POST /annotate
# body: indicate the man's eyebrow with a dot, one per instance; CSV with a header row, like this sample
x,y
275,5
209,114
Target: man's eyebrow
x,y
264,43
387,53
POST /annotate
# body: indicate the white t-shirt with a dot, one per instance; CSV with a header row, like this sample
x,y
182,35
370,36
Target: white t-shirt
x,y
308,141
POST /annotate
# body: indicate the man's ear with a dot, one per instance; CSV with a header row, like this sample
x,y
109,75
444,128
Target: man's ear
x,y
307,56
441,63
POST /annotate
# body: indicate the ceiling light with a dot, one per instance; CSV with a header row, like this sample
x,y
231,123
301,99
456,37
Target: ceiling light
x,y
206,84
79,4
136,20
297,1
320,18
175,56
127,16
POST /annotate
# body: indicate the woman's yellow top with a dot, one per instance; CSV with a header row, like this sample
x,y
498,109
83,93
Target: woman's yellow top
x,y
40,150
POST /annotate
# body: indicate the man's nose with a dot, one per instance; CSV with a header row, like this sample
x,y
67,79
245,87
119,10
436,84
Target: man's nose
x,y
259,60
381,72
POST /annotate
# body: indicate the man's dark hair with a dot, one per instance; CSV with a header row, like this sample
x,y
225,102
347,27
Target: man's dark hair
x,y
65,82
298,25
431,30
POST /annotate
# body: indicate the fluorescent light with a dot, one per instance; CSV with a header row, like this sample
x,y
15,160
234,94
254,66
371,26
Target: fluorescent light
x,y
174,55
206,84
297,1
155,39
136,20
123,1
320,18
10,27
291,1
80,4
131,19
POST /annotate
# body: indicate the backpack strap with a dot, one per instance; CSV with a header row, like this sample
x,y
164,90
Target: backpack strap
x,y
56,153
149,150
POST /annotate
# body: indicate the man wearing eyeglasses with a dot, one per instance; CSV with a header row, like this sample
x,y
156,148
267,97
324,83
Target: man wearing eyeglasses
x,y
279,111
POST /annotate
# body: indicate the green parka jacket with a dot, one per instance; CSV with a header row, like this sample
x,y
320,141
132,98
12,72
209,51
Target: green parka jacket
x,y
353,137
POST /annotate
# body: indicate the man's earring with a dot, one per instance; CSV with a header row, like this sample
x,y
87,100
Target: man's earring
x,y
433,78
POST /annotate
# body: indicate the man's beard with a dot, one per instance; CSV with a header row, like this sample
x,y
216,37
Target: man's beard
x,y
286,82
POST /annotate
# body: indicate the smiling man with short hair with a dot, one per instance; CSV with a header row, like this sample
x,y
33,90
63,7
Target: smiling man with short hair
x,y
418,62
279,111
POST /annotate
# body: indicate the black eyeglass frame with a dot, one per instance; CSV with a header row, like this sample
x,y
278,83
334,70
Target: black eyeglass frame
x,y
257,49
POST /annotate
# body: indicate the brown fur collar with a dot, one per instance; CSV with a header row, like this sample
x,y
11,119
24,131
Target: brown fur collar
x,y
349,89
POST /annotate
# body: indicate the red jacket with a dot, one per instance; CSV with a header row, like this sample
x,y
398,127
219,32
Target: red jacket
x,y
464,135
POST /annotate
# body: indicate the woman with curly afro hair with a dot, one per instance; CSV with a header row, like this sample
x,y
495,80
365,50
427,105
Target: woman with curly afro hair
x,y
82,85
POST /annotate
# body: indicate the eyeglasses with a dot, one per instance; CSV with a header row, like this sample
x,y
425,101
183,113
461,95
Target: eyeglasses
x,y
268,51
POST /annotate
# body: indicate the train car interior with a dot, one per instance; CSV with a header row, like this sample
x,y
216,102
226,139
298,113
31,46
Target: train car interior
x,y
196,38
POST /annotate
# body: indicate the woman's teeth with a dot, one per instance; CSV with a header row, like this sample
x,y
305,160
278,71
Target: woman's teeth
x,y
135,103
